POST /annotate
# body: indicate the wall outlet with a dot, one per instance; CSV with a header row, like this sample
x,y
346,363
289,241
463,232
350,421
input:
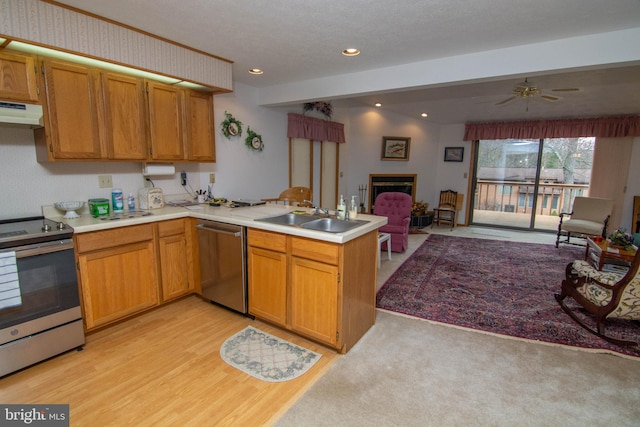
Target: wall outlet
x,y
212,178
183,178
104,181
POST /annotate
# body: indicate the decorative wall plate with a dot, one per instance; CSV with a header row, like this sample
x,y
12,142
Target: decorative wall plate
x,y
253,140
231,127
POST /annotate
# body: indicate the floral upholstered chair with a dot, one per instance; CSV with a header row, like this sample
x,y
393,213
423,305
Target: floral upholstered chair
x,y
396,207
605,295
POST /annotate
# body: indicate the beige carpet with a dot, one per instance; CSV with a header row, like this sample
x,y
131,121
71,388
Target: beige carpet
x,y
409,372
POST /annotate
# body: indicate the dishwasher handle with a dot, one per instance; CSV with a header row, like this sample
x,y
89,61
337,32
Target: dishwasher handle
x,y
219,230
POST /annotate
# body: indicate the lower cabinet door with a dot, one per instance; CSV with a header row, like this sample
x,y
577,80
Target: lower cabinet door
x,y
118,282
267,272
314,299
174,266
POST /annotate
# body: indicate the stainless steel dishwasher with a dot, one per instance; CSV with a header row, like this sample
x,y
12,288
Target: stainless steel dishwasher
x,y
223,264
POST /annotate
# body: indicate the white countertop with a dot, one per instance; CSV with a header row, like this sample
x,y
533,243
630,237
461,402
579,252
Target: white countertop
x,y
239,216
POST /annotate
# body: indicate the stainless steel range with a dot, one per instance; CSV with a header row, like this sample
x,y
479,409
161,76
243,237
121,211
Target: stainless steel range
x,y
40,314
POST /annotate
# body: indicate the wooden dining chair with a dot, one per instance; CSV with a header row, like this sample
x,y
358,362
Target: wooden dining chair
x,y
293,196
446,211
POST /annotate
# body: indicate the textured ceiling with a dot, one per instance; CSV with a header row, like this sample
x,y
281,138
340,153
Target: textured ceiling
x,y
297,41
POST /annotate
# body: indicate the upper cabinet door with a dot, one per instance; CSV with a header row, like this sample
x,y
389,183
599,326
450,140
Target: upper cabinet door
x,y
165,122
125,117
18,78
71,111
201,144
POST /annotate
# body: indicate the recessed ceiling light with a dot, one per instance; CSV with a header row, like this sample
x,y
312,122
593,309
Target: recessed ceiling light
x,y
377,104
255,71
351,52
424,114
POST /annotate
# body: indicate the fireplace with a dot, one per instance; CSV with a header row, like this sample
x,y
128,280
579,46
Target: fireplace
x,y
391,182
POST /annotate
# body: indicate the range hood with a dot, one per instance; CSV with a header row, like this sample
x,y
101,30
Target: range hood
x,y
21,114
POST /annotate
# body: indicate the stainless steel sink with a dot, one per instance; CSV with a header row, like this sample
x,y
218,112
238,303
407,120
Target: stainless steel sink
x,y
332,225
314,222
289,219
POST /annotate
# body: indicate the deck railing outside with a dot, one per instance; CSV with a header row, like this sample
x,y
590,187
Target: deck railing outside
x,y
517,197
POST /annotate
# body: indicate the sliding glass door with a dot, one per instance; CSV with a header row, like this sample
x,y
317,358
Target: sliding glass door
x,y
526,183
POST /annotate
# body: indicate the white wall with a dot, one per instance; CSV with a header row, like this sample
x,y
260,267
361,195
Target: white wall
x,y
242,172
453,175
633,187
27,184
364,147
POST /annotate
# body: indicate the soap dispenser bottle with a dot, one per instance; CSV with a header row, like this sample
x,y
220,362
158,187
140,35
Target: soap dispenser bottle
x,y
342,208
353,209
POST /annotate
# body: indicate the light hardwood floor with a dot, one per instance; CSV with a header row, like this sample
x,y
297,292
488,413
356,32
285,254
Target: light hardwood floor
x,y
163,368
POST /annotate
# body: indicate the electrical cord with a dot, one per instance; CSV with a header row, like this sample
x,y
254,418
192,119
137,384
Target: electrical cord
x,y
192,193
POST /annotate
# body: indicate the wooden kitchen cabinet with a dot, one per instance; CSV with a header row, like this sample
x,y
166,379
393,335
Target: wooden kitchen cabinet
x,y
329,288
199,135
71,129
125,117
267,275
93,114
314,299
117,272
165,121
18,77
315,281
175,258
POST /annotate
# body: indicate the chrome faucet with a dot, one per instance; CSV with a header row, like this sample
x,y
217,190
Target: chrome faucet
x,y
317,210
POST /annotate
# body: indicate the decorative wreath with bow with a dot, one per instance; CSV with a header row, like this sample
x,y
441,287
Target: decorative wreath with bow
x,y
253,140
231,126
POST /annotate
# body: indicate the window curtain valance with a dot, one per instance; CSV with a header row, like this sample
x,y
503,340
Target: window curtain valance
x,y
604,127
301,126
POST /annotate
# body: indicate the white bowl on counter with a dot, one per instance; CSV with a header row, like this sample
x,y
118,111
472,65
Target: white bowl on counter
x,y
70,208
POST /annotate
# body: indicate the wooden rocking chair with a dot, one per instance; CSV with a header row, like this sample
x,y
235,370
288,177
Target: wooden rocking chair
x,y
605,295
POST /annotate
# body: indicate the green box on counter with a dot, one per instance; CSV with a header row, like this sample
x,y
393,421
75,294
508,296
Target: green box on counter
x,y
99,207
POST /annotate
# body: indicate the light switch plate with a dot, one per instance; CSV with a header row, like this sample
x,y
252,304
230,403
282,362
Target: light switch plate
x,y
105,181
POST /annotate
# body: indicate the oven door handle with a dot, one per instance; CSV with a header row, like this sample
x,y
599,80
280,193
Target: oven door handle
x,y
44,248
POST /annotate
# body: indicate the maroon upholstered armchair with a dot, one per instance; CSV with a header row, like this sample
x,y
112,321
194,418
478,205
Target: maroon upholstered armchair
x,y
397,208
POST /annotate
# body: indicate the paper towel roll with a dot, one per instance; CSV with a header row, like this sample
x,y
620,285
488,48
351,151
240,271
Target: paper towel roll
x,y
158,170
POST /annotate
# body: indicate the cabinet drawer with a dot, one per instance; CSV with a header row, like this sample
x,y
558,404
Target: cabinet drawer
x,y
170,227
267,240
112,238
315,249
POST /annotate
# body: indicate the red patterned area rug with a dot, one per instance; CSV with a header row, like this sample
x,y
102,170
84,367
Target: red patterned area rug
x,y
500,287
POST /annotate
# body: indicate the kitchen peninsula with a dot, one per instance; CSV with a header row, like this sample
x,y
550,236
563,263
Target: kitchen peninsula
x,y
317,284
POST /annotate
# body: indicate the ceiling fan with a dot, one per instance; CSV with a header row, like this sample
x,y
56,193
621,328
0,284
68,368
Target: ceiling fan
x,y
527,90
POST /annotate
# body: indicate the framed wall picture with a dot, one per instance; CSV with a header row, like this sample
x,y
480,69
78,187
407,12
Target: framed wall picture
x,y
453,154
395,148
